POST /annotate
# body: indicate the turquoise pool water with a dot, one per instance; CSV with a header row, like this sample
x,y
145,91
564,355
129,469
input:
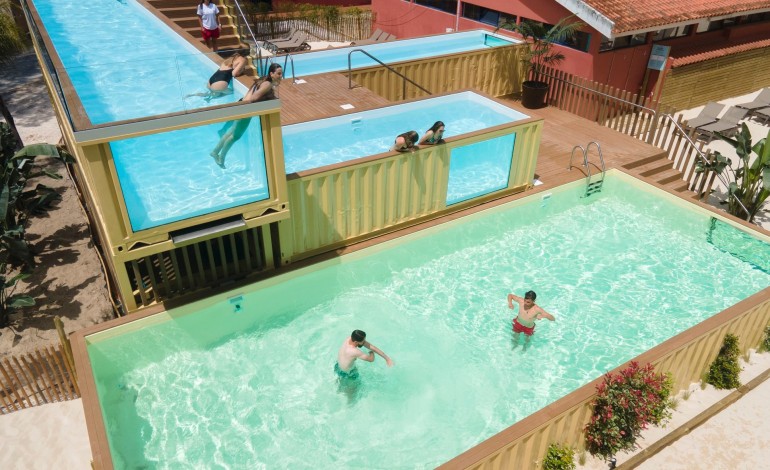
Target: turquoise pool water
x,y
324,142
211,385
125,63
333,60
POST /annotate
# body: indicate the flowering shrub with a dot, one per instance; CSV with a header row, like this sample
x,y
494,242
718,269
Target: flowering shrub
x,y
626,403
724,371
559,457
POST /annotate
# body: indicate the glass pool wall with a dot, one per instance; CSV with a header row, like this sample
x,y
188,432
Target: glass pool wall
x,y
246,378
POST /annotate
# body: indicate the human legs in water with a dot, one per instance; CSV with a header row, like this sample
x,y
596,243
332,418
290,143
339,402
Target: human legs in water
x,y
228,138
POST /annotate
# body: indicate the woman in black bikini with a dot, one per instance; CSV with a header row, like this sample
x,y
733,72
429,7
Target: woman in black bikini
x,y
219,82
262,90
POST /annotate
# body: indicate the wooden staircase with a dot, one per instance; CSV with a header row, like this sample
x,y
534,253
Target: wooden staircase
x,y
183,13
659,169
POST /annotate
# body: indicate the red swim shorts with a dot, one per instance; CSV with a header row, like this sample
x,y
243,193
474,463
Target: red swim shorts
x,y
519,328
210,33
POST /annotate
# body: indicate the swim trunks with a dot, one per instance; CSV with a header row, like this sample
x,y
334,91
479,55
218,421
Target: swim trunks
x,y
210,33
352,374
221,76
519,328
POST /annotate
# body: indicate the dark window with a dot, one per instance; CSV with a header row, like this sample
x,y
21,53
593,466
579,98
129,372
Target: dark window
x,y
487,16
449,6
756,18
623,41
580,41
672,33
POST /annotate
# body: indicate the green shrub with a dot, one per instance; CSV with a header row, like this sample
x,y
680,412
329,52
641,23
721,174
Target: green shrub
x,y
765,346
559,457
625,404
723,372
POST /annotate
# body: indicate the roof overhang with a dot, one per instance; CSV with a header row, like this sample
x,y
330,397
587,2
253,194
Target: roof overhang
x,y
589,16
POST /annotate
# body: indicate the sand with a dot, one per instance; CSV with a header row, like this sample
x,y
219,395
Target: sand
x,y
70,284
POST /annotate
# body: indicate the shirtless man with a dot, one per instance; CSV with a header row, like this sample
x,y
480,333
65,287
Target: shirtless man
x,y
529,313
345,368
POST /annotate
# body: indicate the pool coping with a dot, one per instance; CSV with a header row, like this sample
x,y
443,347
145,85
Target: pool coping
x,y
92,409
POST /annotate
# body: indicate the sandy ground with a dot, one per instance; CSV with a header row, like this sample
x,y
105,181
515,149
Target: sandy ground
x,y
68,280
733,439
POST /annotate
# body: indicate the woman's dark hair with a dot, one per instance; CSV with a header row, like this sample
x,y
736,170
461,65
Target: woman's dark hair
x,y
435,126
273,67
410,137
358,336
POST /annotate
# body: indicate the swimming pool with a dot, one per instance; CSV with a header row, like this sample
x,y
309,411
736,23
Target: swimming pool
x,y
328,141
245,379
334,60
124,62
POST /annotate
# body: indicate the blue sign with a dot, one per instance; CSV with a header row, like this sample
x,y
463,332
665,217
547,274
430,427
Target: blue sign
x,y
658,57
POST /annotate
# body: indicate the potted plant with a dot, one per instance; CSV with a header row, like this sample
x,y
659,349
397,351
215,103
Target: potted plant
x,y
541,39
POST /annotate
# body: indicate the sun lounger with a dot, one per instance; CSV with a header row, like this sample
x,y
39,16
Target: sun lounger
x,y
377,36
707,115
761,101
285,37
298,42
726,124
763,114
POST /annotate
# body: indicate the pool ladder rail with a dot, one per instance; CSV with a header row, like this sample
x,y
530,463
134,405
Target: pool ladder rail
x,y
592,187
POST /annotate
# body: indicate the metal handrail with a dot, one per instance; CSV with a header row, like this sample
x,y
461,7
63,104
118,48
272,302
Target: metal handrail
x,y
404,77
655,114
287,58
261,69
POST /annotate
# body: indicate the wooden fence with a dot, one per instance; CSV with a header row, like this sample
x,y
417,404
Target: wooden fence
x,y
636,116
46,375
322,23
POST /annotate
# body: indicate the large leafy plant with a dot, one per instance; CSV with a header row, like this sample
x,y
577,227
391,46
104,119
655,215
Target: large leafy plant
x,y
20,198
626,403
724,372
749,183
541,39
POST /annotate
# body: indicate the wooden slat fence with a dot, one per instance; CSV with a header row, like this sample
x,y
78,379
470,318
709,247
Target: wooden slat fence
x,y
347,25
635,116
43,376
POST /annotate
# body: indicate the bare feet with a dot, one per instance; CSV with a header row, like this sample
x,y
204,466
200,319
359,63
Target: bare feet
x,y
219,159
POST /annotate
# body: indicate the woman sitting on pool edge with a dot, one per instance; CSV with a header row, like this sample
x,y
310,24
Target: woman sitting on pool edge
x,y
434,135
406,142
262,90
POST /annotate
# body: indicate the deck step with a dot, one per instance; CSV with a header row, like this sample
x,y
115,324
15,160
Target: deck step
x,y
645,161
668,177
653,169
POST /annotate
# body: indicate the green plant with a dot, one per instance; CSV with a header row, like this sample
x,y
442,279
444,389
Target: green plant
x,y
582,458
687,394
559,457
19,199
541,39
723,372
625,404
765,345
750,182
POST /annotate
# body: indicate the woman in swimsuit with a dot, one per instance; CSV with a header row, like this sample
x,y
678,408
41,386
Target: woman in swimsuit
x,y
406,142
434,135
219,83
262,90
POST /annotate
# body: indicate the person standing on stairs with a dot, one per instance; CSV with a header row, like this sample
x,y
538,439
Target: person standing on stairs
x,y
208,17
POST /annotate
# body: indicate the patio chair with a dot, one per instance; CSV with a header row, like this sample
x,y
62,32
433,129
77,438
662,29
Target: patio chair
x,y
761,101
377,36
285,37
298,42
707,115
727,124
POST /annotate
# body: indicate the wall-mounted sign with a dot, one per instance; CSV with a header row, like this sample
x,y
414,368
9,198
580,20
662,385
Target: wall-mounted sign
x,y
658,57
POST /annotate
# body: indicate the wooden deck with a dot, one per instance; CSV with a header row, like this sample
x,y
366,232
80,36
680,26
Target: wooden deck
x,y
321,96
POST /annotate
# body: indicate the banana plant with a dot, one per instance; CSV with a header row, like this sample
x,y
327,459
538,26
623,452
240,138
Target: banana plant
x,y
20,199
749,183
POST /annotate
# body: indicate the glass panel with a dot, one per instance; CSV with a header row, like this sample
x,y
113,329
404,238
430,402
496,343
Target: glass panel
x,y
174,176
480,168
449,6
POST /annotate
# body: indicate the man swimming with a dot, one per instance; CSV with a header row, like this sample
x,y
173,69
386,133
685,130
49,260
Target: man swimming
x,y
345,368
529,313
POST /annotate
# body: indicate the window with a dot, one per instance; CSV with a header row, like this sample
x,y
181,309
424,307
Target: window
x,y
580,41
623,41
487,16
672,33
756,18
449,6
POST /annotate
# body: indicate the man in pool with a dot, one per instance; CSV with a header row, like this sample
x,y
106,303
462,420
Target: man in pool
x,y
529,313
345,368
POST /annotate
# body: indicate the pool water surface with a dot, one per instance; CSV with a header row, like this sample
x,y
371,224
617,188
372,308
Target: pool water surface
x,y
253,387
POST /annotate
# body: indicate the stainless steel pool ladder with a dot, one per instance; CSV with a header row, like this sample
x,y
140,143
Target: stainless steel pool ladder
x,y
591,186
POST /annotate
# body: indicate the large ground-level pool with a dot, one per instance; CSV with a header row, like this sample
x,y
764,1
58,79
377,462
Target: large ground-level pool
x,y
245,379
